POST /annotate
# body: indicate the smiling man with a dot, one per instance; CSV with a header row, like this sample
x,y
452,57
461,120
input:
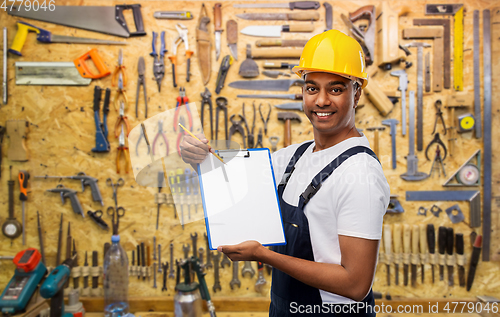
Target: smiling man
x,y
333,193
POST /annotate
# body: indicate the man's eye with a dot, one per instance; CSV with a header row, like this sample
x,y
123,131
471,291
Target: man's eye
x,y
336,90
311,89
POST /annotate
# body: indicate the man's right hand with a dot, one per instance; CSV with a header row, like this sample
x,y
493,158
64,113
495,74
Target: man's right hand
x,y
194,151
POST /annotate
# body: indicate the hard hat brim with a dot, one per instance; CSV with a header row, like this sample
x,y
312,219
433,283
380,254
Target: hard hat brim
x,y
302,71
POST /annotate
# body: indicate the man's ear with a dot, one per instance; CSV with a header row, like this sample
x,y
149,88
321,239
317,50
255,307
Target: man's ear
x,y
357,95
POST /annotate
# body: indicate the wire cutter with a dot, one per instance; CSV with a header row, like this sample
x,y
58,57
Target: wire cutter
x,y
119,69
439,116
259,139
182,37
182,100
206,99
267,119
158,134
122,149
221,103
122,118
237,127
159,63
141,81
139,141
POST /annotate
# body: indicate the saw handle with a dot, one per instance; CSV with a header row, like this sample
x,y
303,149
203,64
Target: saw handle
x,y
136,10
98,62
365,12
23,29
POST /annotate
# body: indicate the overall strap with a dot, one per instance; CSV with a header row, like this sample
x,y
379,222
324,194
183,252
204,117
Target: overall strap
x,y
315,185
291,165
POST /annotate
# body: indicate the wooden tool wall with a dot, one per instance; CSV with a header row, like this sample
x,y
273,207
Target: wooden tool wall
x,y
61,135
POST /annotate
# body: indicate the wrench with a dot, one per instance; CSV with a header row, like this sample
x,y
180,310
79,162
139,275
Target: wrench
x,y
225,260
235,280
165,269
194,238
261,281
154,275
171,274
209,254
247,268
216,273
154,248
159,258
186,248
200,256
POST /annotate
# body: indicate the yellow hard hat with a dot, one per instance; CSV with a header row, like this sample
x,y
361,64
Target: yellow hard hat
x,y
333,52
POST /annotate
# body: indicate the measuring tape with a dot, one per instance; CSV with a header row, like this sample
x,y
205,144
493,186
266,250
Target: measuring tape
x,y
466,122
458,50
468,175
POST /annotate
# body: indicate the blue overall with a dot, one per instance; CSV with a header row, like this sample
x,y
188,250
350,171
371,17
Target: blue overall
x,y
287,293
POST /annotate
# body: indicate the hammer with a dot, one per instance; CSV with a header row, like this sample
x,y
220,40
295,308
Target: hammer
x,y
375,142
287,117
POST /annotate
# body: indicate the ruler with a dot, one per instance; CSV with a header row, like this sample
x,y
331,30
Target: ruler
x,y
477,76
458,50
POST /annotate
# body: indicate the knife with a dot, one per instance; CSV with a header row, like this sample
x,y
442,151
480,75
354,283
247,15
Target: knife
x,y
474,260
217,28
287,96
291,106
423,249
274,73
415,260
441,250
431,243
397,249
328,16
459,249
275,30
406,251
300,5
272,85
232,37
279,65
388,251
280,42
296,16
450,259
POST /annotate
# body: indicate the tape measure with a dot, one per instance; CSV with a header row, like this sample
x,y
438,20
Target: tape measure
x,y
458,50
468,175
466,122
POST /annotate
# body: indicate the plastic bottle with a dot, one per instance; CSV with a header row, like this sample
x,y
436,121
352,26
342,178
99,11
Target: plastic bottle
x,y
116,280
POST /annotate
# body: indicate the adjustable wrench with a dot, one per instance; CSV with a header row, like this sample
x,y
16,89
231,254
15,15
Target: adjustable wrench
x,y
225,260
235,280
247,268
194,238
171,274
165,268
216,273
261,281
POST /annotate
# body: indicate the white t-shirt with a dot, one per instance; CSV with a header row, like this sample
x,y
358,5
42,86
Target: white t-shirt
x,y
351,202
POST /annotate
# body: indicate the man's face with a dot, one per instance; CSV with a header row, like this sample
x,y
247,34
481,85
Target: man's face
x,y
329,102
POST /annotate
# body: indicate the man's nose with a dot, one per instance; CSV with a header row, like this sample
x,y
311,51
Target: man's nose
x,y
322,99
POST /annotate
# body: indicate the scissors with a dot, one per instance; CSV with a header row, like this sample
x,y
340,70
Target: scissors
x,y
115,186
119,212
97,217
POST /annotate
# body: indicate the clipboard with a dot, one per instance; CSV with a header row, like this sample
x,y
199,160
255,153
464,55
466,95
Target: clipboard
x,y
240,200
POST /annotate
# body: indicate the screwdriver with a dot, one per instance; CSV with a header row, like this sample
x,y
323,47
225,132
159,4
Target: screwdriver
x,y
23,176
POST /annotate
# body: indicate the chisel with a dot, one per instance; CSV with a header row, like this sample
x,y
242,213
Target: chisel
x,y
397,249
415,260
431,243
474,259
441,250
459,249
95,263
59,243
86,277
450,259
40,238
143,261
423,249
23,177
138,262
388,251
406,251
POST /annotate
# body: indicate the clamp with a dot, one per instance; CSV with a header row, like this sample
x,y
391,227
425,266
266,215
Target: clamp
x,y
158,134
237,127
439,116
159,63
206,99
438,141
181,37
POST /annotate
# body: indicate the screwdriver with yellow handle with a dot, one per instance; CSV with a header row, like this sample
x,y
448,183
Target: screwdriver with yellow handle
x,y
45,36
23,176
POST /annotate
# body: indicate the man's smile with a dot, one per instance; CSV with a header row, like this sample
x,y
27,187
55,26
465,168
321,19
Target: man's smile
x,y
323,114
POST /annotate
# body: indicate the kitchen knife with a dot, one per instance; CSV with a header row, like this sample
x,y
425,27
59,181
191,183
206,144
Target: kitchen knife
x,y
287,96
291,106
232,37
275,30
272,85
300,5
296,16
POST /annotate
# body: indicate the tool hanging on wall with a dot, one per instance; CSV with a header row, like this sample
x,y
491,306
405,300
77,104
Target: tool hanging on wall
x,y
75,73
217,28
204,45
96,216
250,132
431,243
141,81
40,237
474,260
468,174
59,241
101,133
71,194
439,161
248,68
182,36
276,30
456,101
270,85
102,19
376,95
119,69
173,15
122,149
159,59
427,72
232,37
160,198
477,76
387,33
114,186
206,99
17,132
297,16
439,117
11,228
423,249
23,177
392,124
4,67
414,256
121,99
403,86
366,36
466,123
265,121
226,62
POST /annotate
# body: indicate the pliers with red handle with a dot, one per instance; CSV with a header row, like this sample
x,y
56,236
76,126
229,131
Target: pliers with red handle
x,y
182,100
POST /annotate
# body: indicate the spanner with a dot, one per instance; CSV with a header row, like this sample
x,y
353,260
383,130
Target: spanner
x,y
165,269
186,248
159,258
194,238
235,280
225,260
261,281
200,257
171,274
154,248
247,268
154,275
216,273
209,254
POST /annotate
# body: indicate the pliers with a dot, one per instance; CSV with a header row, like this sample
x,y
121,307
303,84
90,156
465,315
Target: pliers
x,y
221,106
259,139
439,116
182,37
141,81
158,134
237,127
250,135
267,119
122,118
122,149
119,69
159,64
206,99
139,141
120,93
182,100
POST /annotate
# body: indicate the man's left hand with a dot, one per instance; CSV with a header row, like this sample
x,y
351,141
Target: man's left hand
x,y
245,251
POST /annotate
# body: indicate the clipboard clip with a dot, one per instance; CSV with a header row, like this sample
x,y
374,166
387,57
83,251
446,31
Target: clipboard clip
x,y
233,153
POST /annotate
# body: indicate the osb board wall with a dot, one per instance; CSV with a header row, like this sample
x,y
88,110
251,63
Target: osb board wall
x,y
62,134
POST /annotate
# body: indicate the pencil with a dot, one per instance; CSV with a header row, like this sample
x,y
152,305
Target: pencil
x,y
186,130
